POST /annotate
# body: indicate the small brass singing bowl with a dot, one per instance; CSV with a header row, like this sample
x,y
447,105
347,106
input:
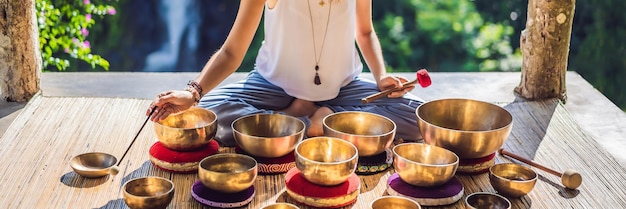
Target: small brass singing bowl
x,y
228,172
512,180
94,164
469,128
268,135
148,192
187,130
480,200
280,205
424,165
371,133
326,161
394,202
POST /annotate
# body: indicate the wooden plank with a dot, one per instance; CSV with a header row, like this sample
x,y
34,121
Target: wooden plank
x,y
37,148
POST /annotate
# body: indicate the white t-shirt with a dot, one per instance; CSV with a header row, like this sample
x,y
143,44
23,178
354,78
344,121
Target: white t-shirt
x,y
287,57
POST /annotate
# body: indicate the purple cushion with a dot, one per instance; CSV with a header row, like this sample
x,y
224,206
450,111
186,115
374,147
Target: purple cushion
x,y
214,198
449,189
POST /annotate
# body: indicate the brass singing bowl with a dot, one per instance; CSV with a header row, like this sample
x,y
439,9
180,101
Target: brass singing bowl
x,y
187,130
94,164
394,202
480,200
228,172
512,180
268,135
281,205
326,161
370,133
148,192
424,165
469,128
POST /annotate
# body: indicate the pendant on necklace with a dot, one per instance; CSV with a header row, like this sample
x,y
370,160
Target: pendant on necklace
x,y
317,80
322,3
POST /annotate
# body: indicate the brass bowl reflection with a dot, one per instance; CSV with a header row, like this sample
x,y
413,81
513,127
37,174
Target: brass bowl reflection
x,y
268,135
326,161
187,130
480,200
370,133
93,164
469,128
281,205
228,172
512,180
394,202
424,165
148,192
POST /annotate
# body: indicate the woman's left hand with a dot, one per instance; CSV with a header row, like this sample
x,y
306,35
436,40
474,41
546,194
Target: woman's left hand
x,y
390,82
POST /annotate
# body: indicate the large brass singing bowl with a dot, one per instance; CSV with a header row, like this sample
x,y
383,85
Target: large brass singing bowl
x,y
394,202
424,165
469,128
370,133
228,172
480,200
326,161
187,130
93,164
148,192
512,180
268,135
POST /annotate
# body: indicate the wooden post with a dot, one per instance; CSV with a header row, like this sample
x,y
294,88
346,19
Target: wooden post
x,y
20,59
545,48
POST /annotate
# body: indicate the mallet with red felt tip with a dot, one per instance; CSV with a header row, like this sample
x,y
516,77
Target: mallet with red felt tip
x,y
422,78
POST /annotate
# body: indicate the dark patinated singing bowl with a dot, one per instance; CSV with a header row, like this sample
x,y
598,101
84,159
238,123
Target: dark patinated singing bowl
x,y
268,135
148,193
187,130
424,165
370,133
228,172
93,164
469,128
326,161
480,200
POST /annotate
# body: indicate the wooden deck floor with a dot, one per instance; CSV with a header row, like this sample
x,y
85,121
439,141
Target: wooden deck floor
x,y
37,147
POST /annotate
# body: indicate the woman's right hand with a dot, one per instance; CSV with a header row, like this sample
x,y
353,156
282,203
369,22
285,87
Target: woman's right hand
x,y
170,102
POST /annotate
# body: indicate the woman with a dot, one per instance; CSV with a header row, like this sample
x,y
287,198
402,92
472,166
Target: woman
x,y
307,66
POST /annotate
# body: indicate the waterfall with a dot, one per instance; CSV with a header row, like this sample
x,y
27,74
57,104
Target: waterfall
x,y
182,21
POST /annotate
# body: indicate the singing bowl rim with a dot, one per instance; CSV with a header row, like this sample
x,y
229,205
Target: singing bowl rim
x,y
392,131
517,166
303,157
488,194
381,198
91,172
211,157
395,153
164,194
426,104
209,123
245,143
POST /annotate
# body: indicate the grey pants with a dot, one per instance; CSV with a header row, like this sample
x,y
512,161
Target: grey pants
x,y
255,95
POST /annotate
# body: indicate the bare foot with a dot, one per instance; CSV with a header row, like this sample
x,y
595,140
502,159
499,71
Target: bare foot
x,y
300,108
316,128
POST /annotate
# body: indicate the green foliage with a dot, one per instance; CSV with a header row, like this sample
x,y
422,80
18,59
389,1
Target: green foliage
x,y
443,36
63,30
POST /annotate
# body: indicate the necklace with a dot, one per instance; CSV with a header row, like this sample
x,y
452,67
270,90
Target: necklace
x,y
317,80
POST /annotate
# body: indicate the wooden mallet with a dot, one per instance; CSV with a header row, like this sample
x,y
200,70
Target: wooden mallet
x,y
422,78
571,179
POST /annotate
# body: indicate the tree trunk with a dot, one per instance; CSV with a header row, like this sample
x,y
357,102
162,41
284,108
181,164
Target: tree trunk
x,y
545,48
20,59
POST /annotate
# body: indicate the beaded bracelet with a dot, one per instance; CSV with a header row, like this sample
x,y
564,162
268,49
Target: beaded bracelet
x,y
195,85
195,89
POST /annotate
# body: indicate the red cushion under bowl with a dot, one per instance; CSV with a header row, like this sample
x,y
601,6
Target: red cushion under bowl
x,y
180,161
319,196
